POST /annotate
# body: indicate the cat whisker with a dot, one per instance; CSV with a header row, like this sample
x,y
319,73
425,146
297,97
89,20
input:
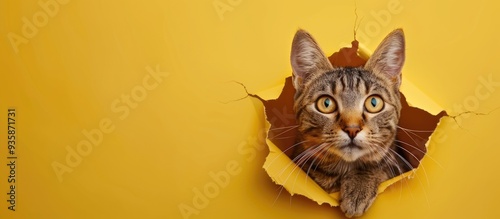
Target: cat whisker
x,y
389,160
418,178
421,151
310,152
411,135
279,194
406,162
299,160
415,130
414,171
287,130
281,138
380,144
284,151
414,141
423,168
293,161
324,157
303,165
398,165
400,171
322,151
283,127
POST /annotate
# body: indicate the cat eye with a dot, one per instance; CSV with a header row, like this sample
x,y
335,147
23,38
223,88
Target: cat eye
x,y
326,104
374,104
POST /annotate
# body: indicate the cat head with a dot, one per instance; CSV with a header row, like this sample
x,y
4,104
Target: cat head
x,y
351,113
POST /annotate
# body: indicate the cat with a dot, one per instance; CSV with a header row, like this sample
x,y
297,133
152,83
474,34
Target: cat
x,y
347,119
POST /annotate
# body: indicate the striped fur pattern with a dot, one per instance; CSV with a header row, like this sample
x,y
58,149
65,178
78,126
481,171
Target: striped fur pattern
x,y
347,119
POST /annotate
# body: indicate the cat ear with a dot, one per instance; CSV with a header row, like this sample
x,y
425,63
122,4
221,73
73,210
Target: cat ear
x,y
389,57
306,58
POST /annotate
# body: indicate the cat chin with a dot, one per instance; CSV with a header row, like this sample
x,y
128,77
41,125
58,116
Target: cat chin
x,y
352,150
350,153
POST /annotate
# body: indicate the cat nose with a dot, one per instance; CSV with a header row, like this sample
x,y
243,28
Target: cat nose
x,y
352,130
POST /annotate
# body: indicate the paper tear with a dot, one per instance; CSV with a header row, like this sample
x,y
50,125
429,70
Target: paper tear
x,y
454,117
416,126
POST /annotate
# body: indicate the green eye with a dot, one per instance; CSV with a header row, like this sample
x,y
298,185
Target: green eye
x,y
326,104
374,104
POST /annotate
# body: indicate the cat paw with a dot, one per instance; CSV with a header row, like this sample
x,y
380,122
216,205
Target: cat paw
x,y
356,200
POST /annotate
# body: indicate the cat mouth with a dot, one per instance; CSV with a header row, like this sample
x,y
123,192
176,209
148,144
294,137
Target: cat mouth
x,y
351,146
350,152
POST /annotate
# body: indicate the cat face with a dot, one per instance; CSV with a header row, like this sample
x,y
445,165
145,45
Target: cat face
x,y
347,113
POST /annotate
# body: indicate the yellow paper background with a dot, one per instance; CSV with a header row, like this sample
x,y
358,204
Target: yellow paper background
x,y
90,54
